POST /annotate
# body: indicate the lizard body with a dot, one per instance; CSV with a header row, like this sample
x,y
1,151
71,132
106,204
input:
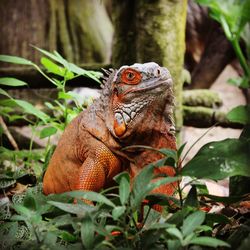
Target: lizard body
x,y
135,108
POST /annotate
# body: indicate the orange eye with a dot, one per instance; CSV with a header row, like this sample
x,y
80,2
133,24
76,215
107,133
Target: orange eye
x,y
131,76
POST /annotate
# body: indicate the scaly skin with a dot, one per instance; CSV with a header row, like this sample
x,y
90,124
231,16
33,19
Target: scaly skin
x,y
135,108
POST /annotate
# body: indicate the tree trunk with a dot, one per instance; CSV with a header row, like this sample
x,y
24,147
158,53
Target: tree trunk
x,y
79,30
23,23
152,31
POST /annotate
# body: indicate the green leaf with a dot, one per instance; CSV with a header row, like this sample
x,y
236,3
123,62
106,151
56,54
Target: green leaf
x,y
216,218
165,180
15,59
232,15
79,71
118,211
50,55
245,134
201,188
175,232
245,35
27,107
22,210
30,202
140,185
88,233
157,226
30,109
209,241
49,105
224,199
62,220
219,160
240,114
174,245
180,150
50,239
64,95
11,81
92,196
46,132
193,221
68,237
55,69
64,62
204,228
48,156
192,199
161,199
79,209
70,66
8,102
241,82
124,186
3,92
178,217
187,239
170,153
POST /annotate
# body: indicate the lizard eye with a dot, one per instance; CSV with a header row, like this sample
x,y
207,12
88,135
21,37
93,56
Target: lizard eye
x,y
131,76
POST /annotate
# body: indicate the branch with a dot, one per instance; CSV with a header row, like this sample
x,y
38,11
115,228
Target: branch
x,y
202,117
8,134
201,97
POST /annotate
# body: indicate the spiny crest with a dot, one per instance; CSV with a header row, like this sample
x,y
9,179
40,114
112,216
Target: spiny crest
x,y
106,78
106,87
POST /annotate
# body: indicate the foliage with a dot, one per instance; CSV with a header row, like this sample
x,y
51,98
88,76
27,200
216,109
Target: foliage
x,y
116,221
113,218
59,76
234,17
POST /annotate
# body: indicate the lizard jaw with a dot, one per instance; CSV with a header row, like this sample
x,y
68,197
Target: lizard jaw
x,y
126,113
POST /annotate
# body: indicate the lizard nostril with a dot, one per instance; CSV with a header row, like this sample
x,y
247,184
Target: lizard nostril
x,y
158,72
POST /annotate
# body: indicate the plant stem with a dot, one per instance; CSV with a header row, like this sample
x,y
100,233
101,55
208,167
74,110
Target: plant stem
x,y
36,234
41,72
31,143
180,193
8,134
242,59
146,217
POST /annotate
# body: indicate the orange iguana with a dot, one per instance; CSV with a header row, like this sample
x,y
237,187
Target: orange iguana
x,y
135,108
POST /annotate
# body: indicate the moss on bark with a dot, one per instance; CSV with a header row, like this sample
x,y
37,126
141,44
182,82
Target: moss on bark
x,y
201,97
203,117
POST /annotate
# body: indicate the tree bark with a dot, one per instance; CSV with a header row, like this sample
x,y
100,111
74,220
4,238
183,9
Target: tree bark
x,y
79,30
23,23
201,97
152,31
202,117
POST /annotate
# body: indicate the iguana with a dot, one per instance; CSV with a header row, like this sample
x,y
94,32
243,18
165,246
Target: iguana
x,y
135,108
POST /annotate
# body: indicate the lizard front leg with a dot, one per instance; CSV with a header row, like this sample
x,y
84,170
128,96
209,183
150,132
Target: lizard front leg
x,y
98,170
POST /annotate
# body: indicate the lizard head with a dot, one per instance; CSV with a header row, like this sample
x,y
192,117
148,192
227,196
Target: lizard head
x,y
136,93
